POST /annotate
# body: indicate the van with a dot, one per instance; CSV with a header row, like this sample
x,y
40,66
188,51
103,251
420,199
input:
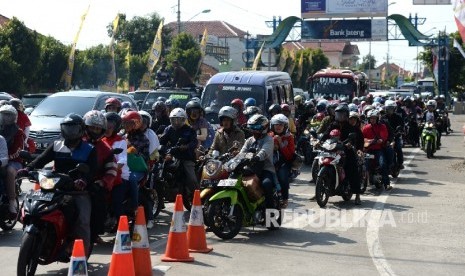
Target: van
x,y
265,87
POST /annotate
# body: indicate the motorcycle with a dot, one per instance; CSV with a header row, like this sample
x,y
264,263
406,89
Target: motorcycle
x,y
412,130
443,119
331,177
48,215
6,222
429,139
241,201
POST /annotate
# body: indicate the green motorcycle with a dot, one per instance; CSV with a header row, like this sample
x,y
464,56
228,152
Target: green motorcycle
x,y
429,137
241,201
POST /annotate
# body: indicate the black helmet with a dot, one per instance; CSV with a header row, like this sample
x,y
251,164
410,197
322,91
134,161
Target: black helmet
x,y
161,99
172,103
192,105
341,113
344,100
159,106
342,108
274,109
72,127
113,119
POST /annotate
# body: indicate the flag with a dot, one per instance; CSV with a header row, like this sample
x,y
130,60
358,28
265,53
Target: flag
x,y
291,67
258,57
459,14
154,56
283,59
110,83
67,75
459,47
300,67
203,47
435,63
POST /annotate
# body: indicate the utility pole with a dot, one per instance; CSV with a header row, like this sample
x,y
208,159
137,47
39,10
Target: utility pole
x,y
179,17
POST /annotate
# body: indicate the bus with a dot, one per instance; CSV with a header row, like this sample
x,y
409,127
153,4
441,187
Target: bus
x,y
266,87
337,83
426,85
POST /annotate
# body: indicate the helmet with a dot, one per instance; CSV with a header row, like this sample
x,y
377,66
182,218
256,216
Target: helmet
x,y
178,113
390,103
298,100
250,102
342,108
373,113
431,103
72,127
228,112
344,100
17,104
279,119
146,117
356,100
131,120
258,123
354,114
95,118
441,97
159,106
309,105
172,103
367,108
113,102
378,100
332,105
125,105
435,98
195,99
239,103
285,107
192,105
274,108
321,105
319,116
161,99
352,107
252,110
335,133
341,113
113,120
8,115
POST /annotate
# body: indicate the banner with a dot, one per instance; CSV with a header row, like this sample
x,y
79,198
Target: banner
x,y
282,59
66,78
257,58
459,14
291,67
434,51
203,47
459,47
110,83
344,30
154,56
343,8
300,67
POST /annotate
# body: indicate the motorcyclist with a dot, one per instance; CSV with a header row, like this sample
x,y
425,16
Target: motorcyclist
x,y
106,170
286,110
305,117
180,76
182,141
441,106
273,110
15,138
229,131
329,119
23,121
160,117
395,122
431,115
196,121
66,154
299,104
376,135
163,77
284,146
238,104
171,104
263,145
249,102
154,145
341,123
112,105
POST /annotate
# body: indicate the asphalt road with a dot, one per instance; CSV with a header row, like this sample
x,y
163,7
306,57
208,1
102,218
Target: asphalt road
x,y
416,228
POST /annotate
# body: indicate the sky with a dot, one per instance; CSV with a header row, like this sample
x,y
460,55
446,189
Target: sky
x,y
61,19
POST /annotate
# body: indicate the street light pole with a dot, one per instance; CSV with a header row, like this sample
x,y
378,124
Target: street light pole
x,y
179,16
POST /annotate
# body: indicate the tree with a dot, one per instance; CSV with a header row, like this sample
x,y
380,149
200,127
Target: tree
x,y
186,50
52,64
368,63
91,67
10,79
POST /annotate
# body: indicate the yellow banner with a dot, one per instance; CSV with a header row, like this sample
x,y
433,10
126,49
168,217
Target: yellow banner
x,y
300,66
282,59
110,83
154,56
67,75
203,47
258,57
292,64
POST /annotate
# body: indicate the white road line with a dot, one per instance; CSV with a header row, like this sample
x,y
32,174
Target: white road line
x,y
372,234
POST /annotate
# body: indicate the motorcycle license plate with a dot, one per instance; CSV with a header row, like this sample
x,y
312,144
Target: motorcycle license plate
x,y
206,183
39,195
227,183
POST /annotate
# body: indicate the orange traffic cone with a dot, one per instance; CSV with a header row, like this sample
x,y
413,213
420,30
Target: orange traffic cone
x,y
176,248
140,245
78,263
122,262
196,236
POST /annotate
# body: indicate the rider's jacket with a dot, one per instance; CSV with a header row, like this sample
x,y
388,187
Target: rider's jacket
x,y
171,137
376,131
223,140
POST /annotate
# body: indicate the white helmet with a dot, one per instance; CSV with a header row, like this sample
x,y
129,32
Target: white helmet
x,y
354,114
279,119
373,113
8,115
353,107
178,113
390,103
431,103
146,115
228,111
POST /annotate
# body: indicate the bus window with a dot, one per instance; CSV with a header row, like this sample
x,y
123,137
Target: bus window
x,y
289,94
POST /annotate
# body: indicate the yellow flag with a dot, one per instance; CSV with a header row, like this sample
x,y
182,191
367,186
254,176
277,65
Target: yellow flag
x,y
292,65
300,67
154,56
203,47
110,83
282,59
67,75
258,57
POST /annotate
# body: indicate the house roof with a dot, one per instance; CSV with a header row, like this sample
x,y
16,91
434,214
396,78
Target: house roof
x,y
216,28
3,20
394,68
327,47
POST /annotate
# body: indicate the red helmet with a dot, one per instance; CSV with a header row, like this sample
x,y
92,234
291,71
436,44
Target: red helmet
x,y
335,133
320,116
238,102
285,107
114,102
131,120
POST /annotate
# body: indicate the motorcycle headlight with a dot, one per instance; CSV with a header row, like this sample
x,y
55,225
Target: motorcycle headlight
x,y
212,167
329,146
47,183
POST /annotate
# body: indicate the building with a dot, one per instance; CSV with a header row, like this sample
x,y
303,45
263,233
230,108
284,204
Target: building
x,y
383,72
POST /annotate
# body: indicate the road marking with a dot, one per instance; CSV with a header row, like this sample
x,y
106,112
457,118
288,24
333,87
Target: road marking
x,y
372,234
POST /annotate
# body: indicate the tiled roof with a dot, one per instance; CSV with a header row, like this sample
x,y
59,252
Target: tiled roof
x,y
215,28
325,46
3,20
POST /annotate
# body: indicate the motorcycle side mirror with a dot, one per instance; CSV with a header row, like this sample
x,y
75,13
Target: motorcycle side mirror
x,y
83,168
117,150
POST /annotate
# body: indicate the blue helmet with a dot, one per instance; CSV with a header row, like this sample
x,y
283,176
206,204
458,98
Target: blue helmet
x,y
125,105
172,103
250,102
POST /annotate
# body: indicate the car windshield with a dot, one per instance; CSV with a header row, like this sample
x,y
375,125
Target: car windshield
x,y
183,98
61,106
334,87
32,100
139,96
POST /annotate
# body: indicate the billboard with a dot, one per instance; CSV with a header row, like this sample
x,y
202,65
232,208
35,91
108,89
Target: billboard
x,y
343,8
344,30
431,2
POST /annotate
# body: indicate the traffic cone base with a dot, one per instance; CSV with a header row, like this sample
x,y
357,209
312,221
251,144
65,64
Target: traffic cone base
x,y
176,247
196,235
122,262
140,246
78,262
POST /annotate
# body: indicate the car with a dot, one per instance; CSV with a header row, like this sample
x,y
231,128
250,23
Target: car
x,y
32,100
183,96
47,115
5,96
139,96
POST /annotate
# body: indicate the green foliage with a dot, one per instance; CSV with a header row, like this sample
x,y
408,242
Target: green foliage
x,y
10,79
186,50
53,60
91,67
368,62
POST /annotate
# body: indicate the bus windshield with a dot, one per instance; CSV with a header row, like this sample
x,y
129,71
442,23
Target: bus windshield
x,y
335,87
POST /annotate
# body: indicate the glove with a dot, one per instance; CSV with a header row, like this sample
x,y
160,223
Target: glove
x,y
23,172
256,158
80,184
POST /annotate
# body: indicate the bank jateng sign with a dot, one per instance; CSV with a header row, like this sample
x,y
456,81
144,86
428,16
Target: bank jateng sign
x,y
344,30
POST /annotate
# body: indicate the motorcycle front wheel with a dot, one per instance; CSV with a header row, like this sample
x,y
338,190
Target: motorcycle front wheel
x,y
429,149
321,190
28,256
223,225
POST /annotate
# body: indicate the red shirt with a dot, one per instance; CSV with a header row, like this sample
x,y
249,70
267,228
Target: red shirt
x,y
23,120
287,145
378,131
16,146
